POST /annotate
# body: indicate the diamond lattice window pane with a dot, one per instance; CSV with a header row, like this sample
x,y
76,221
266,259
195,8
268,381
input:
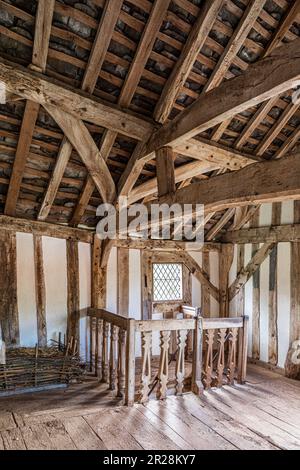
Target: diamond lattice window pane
x,y
167,282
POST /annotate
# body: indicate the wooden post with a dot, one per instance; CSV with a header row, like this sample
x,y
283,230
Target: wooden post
x,y
255,298
130,363
273,292
205,295
243,350
226,257
40,291
197,386
123,281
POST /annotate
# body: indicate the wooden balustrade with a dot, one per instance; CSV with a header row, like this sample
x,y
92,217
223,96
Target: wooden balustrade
x,y
218,347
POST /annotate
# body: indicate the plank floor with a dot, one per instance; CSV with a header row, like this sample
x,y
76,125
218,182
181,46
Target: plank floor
x,y
262,414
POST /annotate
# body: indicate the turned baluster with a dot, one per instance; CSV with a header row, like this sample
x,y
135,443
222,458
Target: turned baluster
x,y
93,321
113,357
99,336
121,363
105,352
163,371
180,360
232,355
146,366
208,365
221,356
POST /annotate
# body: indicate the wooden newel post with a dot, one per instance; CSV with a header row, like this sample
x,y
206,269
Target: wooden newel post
x,y
243,351
130,363
197,386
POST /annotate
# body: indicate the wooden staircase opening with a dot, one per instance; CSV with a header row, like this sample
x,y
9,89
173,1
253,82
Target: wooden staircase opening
x,y
210,352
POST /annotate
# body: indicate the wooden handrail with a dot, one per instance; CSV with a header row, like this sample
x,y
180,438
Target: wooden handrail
x,y
113,351
165,325
115,319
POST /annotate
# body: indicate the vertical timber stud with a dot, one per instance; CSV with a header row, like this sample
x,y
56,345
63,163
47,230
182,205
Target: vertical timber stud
x,y
9,316
226,257
73,290
98,276
205,295
130,363
256,299
197,386
165,171
40,292
273,308
292,370
240,300
123,281
146,274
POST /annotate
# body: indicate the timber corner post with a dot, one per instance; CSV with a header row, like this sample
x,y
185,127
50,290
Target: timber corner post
x,y
197,386
130,363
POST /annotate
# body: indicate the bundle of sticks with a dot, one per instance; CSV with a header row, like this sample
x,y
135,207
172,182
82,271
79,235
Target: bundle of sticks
x,y
36,367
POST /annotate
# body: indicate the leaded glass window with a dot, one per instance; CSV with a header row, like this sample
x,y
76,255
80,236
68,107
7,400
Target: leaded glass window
x,y
167,281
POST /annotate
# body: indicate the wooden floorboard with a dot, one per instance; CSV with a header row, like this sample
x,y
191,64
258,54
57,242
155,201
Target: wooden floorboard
x,y
262,414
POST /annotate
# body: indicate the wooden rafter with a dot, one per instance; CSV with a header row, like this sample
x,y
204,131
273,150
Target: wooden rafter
x,y
29,119
237,39
189,54
44,15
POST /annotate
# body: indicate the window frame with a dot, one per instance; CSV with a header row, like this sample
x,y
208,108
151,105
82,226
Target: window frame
x,y
174,301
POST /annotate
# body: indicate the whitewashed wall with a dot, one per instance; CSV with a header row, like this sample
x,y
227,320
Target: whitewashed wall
x,y
283,280
55,272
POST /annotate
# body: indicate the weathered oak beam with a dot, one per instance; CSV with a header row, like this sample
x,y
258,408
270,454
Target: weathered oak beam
x,y
63,157
13,224
268,181
46,91
245,274
274,234
43,22
79,136
28,124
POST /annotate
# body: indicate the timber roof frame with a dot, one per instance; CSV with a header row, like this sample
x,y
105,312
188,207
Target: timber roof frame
x,y
79,139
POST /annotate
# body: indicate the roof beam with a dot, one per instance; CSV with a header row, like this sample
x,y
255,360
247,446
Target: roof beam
x,y
235,43
100,47
261,81
266,78
43,25
144,49
276,128
46,229
77,133
181,173
63,157
268,181
46,91
29,119
274,234
189,54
